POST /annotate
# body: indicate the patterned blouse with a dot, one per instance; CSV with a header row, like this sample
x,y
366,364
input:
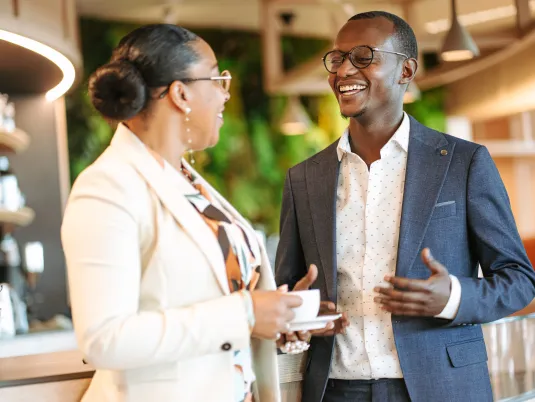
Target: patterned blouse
x,y
241,252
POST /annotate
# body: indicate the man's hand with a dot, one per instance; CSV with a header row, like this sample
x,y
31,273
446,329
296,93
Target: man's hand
x,y
415,297
332,328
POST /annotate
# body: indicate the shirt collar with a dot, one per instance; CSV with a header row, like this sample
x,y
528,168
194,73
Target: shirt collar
x,y
400,137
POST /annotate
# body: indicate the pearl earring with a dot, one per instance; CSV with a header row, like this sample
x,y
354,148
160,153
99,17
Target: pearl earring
x,y
188,131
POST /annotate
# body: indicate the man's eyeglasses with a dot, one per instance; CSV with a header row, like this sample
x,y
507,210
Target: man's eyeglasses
x,y
359,56
222,80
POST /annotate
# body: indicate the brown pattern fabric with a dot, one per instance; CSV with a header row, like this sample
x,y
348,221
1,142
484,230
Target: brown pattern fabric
x,y
218,221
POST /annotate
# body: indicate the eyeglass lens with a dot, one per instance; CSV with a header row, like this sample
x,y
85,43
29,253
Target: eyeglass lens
x,y
360,57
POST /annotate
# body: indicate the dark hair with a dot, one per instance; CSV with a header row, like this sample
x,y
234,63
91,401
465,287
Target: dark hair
x,y
149,57
403,33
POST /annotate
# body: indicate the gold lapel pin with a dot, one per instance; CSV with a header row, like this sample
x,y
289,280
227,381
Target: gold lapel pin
x,y
443,152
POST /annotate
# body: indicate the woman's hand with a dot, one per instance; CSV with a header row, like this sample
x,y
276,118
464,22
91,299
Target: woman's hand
x,y
273,312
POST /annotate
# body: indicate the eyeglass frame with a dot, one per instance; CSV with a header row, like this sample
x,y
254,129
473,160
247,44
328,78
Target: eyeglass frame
x,y
185,80
345,54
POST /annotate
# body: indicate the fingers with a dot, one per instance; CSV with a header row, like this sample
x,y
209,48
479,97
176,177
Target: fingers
x,y
283,288
388,294
406,284
329,328
298,336
291,301
281,340
291,337
327,308
308,279
434,266
402,308
344,323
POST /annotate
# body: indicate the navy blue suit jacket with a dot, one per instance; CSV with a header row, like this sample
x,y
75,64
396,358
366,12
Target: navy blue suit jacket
x,y
454,203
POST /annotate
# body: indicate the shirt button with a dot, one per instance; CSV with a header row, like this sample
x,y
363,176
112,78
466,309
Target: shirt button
x,y
226,346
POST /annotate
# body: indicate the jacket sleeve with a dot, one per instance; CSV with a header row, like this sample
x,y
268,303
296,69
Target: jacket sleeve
x,y
508,284
102,246
290,264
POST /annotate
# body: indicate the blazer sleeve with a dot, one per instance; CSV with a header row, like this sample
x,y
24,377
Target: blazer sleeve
x,y
290,264
101,240
508,284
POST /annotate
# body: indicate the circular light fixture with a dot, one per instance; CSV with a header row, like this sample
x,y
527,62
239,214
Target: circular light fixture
x,y
62,62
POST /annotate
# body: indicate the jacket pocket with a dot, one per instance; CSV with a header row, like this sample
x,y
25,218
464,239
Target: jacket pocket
x,y
467,352
444,210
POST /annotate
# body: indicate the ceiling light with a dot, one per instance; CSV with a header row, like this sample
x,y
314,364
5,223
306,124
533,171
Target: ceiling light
x,y
478,17
458,44
295,120
63,63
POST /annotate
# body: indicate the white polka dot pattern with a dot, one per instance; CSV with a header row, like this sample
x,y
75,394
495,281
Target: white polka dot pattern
x,y
368,215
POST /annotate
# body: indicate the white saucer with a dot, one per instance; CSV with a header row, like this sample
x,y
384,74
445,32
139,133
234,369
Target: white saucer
x,y
317,323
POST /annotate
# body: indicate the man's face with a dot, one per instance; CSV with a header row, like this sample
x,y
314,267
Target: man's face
x,y
378,85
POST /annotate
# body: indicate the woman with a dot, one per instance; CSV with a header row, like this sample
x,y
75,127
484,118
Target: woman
x,y
172,294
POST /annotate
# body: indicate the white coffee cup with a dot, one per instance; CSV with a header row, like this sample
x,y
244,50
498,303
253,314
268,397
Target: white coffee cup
x,y
310,307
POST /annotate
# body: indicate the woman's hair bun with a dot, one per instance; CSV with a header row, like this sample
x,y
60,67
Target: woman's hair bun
x,y
118,90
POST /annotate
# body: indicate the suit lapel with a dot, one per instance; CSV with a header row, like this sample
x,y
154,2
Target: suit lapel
x,y
171,195
428,161
321,179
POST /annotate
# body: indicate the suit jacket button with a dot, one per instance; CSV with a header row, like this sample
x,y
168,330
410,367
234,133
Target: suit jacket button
x,y
226,346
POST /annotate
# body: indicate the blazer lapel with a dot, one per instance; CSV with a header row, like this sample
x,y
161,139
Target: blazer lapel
x,y
171,194
321,180
429,158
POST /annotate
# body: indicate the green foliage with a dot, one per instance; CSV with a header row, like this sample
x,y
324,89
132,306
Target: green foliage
x,y
249,164
429,109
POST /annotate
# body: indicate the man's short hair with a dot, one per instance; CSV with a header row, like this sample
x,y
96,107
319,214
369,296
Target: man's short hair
x,y
403,33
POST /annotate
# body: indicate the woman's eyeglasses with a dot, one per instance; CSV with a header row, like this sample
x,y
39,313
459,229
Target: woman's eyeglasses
x,y
222,80
360,57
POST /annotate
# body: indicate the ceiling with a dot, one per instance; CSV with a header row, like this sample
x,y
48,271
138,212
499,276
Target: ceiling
x,y
317,18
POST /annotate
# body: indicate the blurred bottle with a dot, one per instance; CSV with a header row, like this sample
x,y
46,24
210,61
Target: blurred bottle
x,y
10,196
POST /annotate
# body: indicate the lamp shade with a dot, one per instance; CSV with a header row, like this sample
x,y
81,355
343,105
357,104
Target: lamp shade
x,y
295,120
458,44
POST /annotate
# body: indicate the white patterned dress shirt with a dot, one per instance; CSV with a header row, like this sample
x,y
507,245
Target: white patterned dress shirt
x,y
368,217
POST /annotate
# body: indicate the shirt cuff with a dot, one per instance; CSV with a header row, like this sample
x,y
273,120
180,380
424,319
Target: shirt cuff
x,y
249,308
450,311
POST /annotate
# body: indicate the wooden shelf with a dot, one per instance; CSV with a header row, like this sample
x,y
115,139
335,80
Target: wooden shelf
x,y
16,141
22,217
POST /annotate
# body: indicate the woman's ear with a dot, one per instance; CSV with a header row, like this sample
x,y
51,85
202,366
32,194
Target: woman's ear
x,y
180,95
409,68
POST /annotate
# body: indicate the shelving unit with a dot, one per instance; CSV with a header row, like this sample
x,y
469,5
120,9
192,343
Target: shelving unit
x,y
14,142
17,141
22,217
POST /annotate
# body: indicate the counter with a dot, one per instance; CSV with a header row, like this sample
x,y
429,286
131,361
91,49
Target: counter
x,y
41,357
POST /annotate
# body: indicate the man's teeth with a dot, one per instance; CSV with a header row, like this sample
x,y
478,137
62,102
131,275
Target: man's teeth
x,y
220,115
347,88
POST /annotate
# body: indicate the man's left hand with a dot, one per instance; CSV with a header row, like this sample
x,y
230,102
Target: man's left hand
x,y
416,297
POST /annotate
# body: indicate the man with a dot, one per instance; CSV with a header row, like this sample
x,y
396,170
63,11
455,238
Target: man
x,y
370,209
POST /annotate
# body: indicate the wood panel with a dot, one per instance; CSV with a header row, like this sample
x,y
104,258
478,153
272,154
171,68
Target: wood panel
x,y
58,391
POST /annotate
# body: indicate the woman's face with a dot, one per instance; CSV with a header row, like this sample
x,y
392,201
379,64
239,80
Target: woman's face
x,y
207,100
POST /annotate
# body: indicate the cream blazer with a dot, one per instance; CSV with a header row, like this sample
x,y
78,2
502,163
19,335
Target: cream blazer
x,y
150,301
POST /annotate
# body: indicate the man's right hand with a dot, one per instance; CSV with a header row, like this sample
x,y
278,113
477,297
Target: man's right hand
x,y
326,308
273,312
